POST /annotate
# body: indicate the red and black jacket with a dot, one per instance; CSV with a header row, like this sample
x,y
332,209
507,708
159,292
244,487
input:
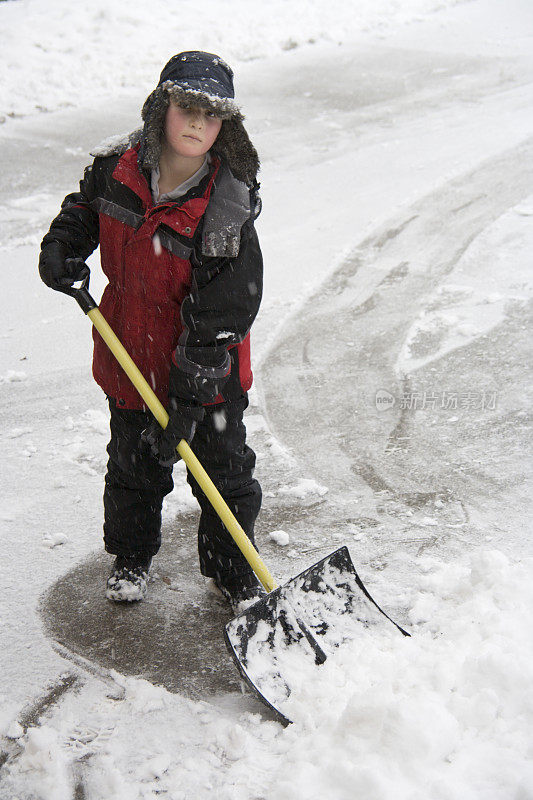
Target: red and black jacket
x,y
184,278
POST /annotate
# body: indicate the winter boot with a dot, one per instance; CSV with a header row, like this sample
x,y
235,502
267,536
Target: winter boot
x,y
127,582
240,590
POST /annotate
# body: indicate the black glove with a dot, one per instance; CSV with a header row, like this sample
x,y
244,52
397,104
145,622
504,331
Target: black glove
x,y
182,423
202,373
58,270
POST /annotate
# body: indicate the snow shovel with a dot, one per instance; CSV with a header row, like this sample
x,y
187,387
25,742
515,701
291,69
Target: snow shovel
x,y
277,642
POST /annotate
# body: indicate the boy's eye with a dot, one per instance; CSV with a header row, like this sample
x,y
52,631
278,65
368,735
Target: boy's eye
x,y
206,112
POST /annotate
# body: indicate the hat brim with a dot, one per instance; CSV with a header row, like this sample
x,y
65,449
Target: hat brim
x,y
203,93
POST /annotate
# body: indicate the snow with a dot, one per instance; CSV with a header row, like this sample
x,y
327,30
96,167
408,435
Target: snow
x,y
45,766
55,539
46,45
433,93
472,300
281,538
304,488
12,377
444,714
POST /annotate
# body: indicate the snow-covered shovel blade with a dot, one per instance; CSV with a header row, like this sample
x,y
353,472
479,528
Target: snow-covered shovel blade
x,y
278,641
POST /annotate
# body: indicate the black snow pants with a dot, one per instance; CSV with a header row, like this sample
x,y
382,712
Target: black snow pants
x,y
135,485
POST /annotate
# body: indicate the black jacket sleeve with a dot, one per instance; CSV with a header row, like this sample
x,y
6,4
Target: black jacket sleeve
x,y
218,313
76,226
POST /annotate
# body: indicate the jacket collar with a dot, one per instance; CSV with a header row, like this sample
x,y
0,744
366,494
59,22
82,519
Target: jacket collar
x,y
128,173
191,208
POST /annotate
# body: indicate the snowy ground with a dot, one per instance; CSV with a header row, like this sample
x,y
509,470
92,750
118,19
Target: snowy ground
x,y
391,410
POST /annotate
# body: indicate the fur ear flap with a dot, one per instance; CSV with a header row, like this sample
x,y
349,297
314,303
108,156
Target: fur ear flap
x,y
234,145
153,113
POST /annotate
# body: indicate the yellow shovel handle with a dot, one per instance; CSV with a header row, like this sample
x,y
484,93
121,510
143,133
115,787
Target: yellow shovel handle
x,y
201,476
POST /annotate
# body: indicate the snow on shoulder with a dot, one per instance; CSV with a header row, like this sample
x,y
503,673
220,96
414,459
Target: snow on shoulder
x,y
118,144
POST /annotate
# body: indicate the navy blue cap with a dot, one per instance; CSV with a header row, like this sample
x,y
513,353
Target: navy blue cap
x,y
197,71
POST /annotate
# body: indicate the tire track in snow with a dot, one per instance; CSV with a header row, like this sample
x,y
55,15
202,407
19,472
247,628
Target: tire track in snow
x,y
323,371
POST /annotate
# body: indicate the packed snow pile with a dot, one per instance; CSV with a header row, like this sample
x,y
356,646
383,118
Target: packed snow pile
x,y
113,47
445,714
280,537
12,376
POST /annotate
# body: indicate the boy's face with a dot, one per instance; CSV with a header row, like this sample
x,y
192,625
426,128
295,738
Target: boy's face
x,y
190,132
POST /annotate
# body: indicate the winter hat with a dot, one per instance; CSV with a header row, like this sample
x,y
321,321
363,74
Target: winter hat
x,y
202,80
201,77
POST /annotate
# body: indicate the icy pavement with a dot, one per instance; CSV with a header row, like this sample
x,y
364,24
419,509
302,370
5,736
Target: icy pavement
x,y
411,416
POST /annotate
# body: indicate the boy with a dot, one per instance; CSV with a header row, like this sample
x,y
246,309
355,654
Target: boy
x,y
173,210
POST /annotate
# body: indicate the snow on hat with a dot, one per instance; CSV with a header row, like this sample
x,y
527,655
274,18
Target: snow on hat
x,y
202,80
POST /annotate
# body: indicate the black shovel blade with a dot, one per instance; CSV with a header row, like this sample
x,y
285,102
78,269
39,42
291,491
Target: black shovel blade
x,y
278,642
